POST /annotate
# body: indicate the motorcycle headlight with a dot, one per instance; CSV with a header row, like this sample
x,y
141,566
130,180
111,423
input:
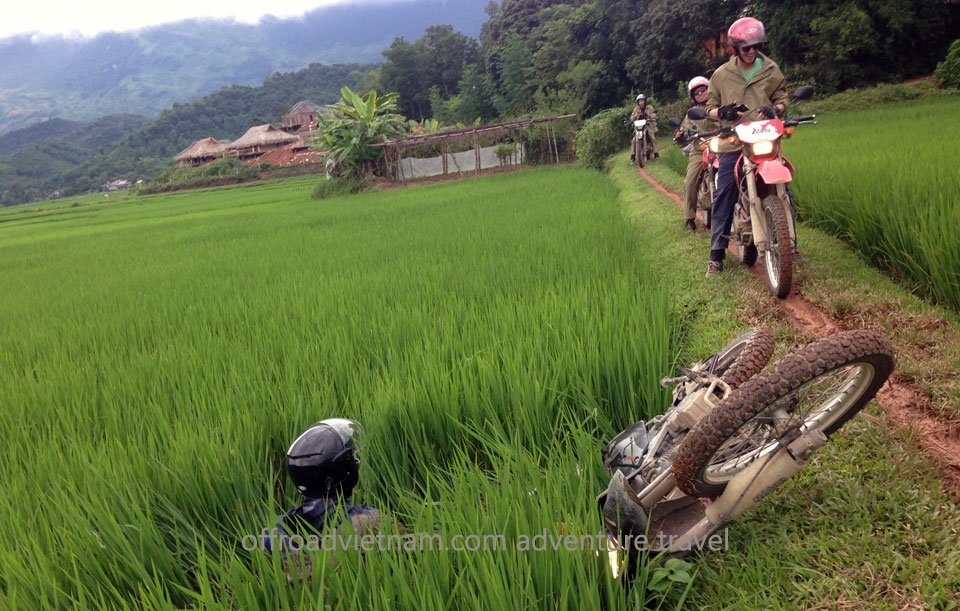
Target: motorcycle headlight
x,y
762,148
715,144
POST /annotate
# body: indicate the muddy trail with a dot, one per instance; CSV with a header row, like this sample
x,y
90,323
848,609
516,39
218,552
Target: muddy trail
x,y
905,405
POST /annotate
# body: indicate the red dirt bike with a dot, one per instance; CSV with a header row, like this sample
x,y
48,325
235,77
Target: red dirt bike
x,y
734,432
707,148
764,221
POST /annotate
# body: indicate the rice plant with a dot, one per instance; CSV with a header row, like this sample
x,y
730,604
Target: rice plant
x,y
161,353
882,180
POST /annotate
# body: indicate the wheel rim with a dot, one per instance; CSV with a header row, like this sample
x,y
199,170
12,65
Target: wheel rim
x,y
816,404
772,254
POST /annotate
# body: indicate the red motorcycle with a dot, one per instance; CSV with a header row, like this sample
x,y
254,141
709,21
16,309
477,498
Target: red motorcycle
x,y
764,218
708,147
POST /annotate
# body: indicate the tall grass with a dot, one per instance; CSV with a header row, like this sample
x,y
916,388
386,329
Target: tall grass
x,y
160,355
884,180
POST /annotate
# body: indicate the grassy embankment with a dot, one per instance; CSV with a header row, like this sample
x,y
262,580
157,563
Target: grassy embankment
x,y
868,523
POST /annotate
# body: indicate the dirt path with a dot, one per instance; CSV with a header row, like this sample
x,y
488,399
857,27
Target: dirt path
x,y
905,405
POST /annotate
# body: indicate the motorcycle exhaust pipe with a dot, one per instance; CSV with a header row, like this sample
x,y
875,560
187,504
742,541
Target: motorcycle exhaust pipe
x,y
762,477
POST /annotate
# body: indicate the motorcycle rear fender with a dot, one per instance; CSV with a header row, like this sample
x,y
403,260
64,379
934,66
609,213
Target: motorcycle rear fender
x,y
774,171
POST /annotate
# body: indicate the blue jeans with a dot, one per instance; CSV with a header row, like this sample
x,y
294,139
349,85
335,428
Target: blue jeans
x,y
724,201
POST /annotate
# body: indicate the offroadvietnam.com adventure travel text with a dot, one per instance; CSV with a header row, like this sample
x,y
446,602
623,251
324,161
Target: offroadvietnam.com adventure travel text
x,y
271,538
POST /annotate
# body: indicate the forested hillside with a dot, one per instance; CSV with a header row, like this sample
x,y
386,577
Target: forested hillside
x,y
142,148
147,71
24,137
582,56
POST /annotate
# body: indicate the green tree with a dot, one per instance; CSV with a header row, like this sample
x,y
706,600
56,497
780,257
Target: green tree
x,y
437,59
515,86
354,125
857,42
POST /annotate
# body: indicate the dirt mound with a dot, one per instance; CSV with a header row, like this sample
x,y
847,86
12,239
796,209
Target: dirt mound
x,y
288,156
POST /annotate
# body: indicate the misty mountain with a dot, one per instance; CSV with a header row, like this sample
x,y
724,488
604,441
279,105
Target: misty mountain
x,y
146,71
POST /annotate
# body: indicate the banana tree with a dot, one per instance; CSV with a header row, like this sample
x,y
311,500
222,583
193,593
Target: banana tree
x,y
354,124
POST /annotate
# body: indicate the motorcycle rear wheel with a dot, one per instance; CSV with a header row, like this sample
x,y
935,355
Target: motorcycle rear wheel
x,y
778,258
743,357
820,386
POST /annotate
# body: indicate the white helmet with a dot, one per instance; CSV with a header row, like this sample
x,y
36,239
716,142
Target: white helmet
x,y
640,96
697,81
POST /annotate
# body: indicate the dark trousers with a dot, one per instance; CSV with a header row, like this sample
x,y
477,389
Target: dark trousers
x,y
724,200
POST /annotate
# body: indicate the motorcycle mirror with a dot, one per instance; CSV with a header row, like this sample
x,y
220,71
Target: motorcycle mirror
x,y
697,114
803,93
673,122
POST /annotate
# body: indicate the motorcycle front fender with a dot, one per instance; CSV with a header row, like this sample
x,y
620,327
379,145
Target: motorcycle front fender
x,y
774,171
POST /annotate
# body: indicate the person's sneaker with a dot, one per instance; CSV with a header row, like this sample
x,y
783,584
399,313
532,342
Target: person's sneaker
x,y
714,267
633,157
690,225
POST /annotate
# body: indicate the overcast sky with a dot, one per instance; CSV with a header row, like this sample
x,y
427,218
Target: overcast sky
x,y
94,16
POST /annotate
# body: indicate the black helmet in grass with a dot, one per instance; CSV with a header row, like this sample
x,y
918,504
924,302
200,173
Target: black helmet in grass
x,y
322,461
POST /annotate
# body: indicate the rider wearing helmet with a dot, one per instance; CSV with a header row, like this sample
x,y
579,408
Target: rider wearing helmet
x,y
643,110
754,80
697,88
323,465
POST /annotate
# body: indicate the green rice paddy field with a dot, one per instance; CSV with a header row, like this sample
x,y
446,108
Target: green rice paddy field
x,y
160,353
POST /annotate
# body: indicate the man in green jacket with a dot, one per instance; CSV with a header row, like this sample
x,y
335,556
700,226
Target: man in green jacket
x,y
754,80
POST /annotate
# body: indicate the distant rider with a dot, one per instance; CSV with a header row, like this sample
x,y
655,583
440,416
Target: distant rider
x,y
754,80
642,110
697,88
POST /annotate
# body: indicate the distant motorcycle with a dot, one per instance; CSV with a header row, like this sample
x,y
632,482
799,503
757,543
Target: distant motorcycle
x,y
735,431
763,219
642,147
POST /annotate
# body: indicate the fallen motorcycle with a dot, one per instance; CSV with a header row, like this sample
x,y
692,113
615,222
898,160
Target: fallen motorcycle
x,y
763,218
735,431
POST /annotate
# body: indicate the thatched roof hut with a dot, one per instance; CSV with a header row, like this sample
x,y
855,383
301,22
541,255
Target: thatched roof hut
x,y
301,117
259,139
202,151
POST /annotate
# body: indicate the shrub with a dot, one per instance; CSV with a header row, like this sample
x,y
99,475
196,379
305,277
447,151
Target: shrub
x,y
335,187
601,136
948,71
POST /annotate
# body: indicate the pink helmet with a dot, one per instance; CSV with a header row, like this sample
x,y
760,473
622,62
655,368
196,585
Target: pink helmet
x,y
695,82
745,32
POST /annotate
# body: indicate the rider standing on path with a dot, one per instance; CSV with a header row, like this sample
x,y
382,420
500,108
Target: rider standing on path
x,y
642,110
754,80
697,87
